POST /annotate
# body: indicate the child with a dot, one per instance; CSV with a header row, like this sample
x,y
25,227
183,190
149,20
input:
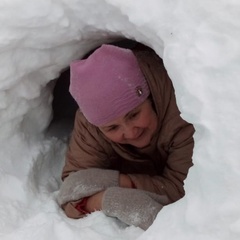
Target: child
x,y
130,151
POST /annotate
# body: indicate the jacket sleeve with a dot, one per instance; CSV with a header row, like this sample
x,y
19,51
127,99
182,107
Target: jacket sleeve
x,y
84,151
171,181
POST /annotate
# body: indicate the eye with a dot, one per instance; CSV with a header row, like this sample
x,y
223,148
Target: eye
x,y
112,128
133,115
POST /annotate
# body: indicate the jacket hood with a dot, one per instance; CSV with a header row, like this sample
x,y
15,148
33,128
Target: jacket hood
x,y
160,85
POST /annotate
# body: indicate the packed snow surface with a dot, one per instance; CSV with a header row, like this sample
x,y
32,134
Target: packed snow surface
x,y
199,43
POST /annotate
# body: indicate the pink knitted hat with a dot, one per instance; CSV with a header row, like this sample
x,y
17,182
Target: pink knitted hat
x,y
108,84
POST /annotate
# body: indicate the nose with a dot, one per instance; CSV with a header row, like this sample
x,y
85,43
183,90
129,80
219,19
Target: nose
x,y
130,132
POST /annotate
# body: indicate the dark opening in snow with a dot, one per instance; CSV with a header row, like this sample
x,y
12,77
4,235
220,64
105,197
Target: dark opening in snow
x,y
63,106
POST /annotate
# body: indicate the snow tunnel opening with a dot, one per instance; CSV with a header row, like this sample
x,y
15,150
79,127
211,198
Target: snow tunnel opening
x,y
64,106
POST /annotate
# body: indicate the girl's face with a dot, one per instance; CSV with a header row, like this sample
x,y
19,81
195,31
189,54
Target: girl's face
x,y
135,128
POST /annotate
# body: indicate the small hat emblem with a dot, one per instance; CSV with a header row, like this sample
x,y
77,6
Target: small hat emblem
x,y
139,91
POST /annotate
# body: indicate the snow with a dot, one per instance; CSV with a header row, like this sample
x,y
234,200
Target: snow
x,y
199,43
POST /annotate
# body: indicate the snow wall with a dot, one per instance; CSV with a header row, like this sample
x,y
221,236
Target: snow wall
x,y
199,43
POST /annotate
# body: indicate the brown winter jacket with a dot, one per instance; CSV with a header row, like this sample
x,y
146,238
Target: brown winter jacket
x,y
161,167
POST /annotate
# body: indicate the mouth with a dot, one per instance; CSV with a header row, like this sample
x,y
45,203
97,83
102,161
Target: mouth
x,y
139,136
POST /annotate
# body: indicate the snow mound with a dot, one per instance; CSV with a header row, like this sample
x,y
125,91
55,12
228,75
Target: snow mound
x,y
199,43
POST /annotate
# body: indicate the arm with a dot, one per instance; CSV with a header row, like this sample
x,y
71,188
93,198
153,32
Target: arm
x,y
94,202
171,182
86,152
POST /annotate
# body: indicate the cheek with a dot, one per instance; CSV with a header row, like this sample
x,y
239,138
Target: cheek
x,y
145,121
148,121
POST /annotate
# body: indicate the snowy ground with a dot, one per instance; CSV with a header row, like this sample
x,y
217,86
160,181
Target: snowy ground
x,y
199,43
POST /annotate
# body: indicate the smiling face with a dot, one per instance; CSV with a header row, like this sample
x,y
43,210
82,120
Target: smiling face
x,y
135,128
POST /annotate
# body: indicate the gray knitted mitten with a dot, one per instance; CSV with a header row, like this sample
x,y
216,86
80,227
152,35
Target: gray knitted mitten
x,y
133,206
85,183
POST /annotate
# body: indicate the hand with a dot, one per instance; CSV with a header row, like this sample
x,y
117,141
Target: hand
x,y
132,206
85,183
94,203
125,181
